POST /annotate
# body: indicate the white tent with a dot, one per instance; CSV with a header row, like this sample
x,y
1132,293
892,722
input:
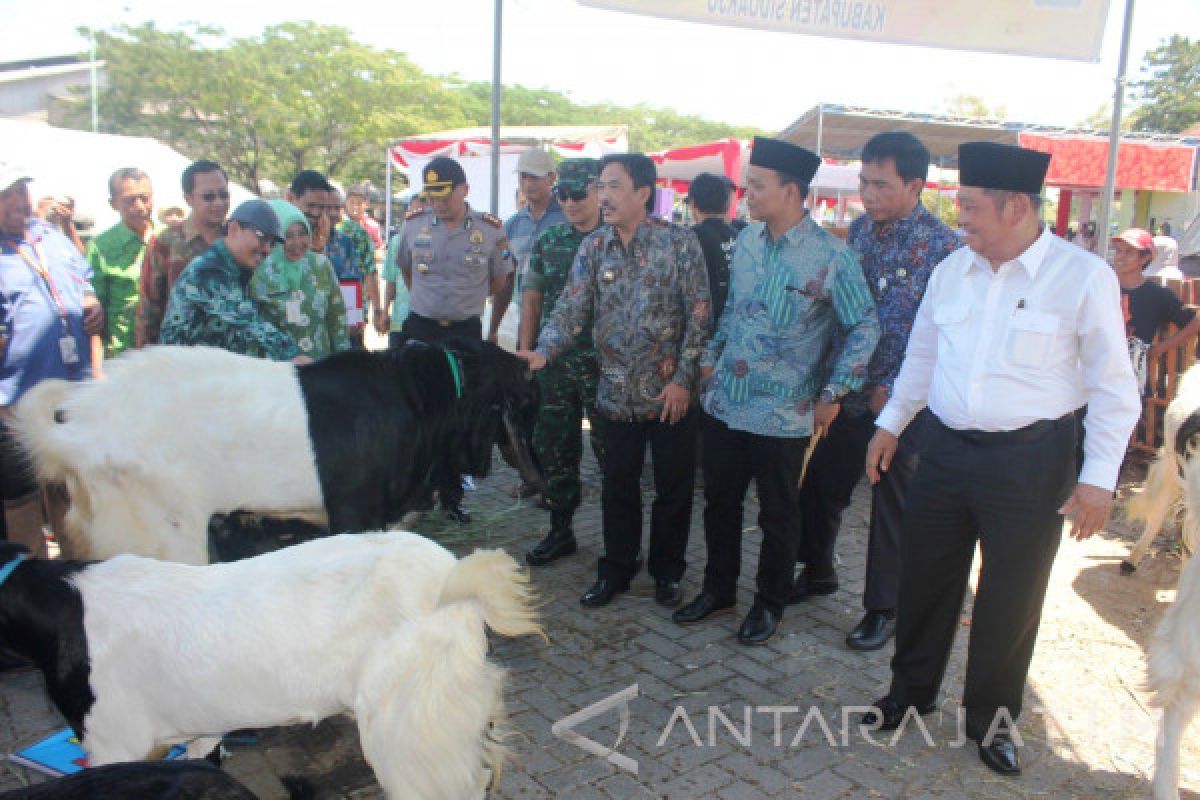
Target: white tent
x,y
79,163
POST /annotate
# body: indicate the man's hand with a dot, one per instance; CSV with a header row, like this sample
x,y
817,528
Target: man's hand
x,y
301,360
675,400
880,451
93,315
535,359
877,399
1088,508
823,417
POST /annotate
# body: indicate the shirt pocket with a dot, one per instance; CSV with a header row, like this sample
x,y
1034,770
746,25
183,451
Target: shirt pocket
x,y
1029,339
951,323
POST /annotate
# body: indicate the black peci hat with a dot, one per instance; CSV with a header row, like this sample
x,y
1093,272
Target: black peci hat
x,y
785,157
991,165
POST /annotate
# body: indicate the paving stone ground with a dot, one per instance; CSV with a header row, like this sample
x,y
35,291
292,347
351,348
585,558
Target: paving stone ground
x,y
1088,729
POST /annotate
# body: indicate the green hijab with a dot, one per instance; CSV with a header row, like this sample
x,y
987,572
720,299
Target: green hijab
x,y
288,215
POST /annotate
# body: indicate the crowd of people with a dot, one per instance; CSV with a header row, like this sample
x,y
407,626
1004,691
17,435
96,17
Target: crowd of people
x,y
770,351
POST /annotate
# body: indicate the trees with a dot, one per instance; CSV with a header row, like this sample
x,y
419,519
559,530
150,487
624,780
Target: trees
x,y
1170,95
303,95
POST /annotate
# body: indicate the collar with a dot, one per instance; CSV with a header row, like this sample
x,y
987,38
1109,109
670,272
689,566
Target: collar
x,y
35,231
916,215
466,223
7,570
191,230
793,234
550,209
610,234
1030,260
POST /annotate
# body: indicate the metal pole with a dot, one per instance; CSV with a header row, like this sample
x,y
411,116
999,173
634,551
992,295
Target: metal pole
x,y
95,102
1114,138
820,124
496,44
387,200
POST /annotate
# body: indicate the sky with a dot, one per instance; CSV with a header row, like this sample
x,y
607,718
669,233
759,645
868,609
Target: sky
x,y
744,77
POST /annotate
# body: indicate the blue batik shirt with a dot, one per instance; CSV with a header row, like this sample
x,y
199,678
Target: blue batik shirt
x,y
897,259
787,299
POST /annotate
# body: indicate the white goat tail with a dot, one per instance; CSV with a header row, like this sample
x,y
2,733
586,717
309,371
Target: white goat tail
x,y
500,586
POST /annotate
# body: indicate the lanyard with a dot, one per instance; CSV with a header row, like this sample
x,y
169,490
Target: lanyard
x,y
39,267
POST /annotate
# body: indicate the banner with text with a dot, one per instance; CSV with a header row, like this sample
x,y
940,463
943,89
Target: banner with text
x,y
1068,29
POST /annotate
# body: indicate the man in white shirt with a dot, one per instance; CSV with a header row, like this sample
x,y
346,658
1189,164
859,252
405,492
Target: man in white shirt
x,y
1016,331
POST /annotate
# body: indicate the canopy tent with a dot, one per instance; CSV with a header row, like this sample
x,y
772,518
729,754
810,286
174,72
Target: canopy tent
x,y
1158,164
472,147
79,163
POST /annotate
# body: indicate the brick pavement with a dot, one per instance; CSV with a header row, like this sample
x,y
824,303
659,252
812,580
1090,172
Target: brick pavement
x,y
1073,748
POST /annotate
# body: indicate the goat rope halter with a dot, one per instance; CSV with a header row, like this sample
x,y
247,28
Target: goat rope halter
x,y
8,568
456,371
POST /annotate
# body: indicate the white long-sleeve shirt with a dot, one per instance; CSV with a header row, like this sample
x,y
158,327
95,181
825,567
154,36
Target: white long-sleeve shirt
x,y
1035,339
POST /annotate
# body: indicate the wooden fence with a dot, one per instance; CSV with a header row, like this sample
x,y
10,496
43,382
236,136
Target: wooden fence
x,y
1163,374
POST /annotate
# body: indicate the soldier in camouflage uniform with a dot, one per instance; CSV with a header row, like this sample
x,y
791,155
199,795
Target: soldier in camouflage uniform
x,y
568,386
210,303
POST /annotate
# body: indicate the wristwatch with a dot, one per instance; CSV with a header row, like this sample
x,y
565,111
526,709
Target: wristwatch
x,y
832,394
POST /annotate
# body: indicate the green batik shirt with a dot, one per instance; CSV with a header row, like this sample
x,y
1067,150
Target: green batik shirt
x,y
304,301
799,316
116,258
210,305
364,248
550,263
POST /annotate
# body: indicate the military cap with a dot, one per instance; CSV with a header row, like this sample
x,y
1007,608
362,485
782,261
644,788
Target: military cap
x,y
441,175
785,157
991,165
576,174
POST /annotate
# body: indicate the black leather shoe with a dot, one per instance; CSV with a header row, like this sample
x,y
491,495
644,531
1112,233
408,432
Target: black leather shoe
x,y
759,626
602,593
705,605
809,584
893,713
873,632
667,593
1000,755
558,543
458,514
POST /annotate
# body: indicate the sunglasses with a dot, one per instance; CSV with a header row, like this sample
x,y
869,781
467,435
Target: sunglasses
x,y
563,194
222,194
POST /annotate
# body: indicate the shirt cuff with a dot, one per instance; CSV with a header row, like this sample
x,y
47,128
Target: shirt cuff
x,y
1099,473
891,420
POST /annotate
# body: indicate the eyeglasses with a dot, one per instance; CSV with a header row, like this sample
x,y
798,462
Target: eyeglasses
x,y
563,194
222,194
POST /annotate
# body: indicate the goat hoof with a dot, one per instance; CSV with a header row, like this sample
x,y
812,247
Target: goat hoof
x,y
1127,568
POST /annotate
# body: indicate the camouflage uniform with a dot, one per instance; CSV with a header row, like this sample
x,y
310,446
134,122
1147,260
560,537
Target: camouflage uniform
x,y
210,305
568,386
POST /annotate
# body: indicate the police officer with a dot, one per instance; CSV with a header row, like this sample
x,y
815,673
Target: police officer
x,y
451,258
568,386
1015,332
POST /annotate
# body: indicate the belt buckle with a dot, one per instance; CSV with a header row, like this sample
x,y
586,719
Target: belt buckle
x,y
445,323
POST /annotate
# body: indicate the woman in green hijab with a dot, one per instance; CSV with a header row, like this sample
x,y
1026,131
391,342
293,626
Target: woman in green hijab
x,y
298,291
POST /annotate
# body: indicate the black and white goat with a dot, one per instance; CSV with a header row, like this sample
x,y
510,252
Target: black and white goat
x,y
1167,482
390,627
174,435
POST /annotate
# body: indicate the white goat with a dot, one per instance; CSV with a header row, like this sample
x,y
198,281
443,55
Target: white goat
x,y
390,627
1166,484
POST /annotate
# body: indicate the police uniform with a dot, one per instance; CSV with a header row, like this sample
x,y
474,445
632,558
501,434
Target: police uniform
x,y
451,270
1002,355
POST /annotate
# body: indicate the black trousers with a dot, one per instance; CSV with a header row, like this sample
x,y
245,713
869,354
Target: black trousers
x,y
673,450
731,459
837,465
466,335
1002,490
881,589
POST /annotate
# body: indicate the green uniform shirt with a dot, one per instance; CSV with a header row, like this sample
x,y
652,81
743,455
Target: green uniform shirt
x,y
116,258
550,263
210,305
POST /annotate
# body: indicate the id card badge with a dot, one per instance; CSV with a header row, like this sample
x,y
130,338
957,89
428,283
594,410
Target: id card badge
x,y
293,312
70,353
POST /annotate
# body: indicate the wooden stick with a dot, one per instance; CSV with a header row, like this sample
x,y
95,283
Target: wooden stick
x,y
812,445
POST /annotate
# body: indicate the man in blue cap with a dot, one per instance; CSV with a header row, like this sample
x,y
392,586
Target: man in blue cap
x,y
1016,331
210,304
